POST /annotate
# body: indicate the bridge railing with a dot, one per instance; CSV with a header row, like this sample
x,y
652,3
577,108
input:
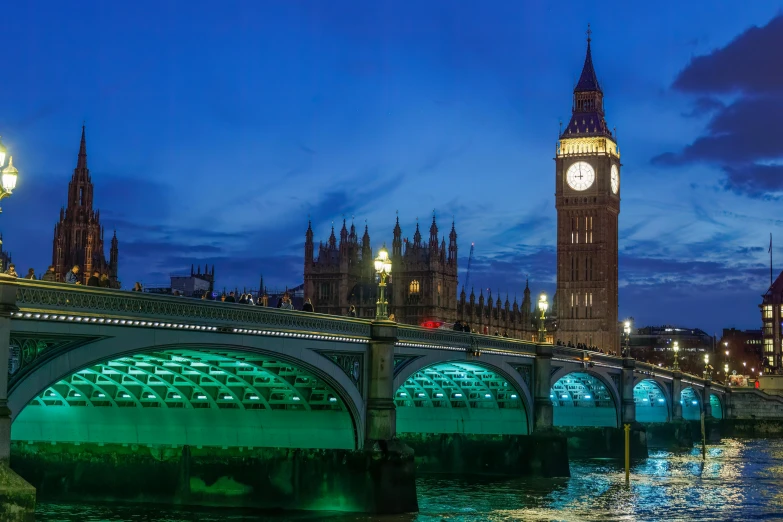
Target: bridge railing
x,y
45,300
63,302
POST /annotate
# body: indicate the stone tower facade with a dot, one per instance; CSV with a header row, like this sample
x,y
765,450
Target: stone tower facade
x,y
423,285
78,236
587,199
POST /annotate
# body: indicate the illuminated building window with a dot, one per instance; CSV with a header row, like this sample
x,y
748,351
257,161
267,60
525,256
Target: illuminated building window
x,y
767,329
590,230
413,288
767,312
768,347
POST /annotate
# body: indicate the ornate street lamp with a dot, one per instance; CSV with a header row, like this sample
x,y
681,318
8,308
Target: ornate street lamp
x,y
726,371
676,349
706,366
383,268
542,305
627,332
8,178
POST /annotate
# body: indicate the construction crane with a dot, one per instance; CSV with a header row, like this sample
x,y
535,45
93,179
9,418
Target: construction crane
x,y
467,276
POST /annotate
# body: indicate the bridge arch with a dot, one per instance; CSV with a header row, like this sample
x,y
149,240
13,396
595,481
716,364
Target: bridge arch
x,y
468,397
584,397
653,403
133,360
690,400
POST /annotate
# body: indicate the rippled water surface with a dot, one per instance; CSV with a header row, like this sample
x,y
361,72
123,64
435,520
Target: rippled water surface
x,y
740,480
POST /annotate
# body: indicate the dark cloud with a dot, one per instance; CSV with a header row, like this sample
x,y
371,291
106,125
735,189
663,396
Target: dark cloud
x,y
740,137
748,64
754,180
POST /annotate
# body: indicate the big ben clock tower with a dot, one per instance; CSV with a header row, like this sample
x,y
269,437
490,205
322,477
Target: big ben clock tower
x,y
587,199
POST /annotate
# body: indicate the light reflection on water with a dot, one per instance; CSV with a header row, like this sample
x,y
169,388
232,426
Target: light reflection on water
x,y
740,480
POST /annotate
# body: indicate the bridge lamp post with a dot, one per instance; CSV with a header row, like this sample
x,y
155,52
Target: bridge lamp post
x,y
7,180
706,366
383,268
676,349
726,370
542,305
627,332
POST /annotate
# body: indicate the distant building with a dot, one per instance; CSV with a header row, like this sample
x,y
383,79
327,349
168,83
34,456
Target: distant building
x,y
771,313
189,286
654,344
661,338
78,236
194,285
744,346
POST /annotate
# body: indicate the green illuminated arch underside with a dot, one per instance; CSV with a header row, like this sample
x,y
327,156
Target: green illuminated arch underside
x,y
459,397
190,397
581,399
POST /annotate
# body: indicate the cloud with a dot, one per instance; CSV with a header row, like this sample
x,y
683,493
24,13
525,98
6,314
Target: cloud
x,y
739,138
740,65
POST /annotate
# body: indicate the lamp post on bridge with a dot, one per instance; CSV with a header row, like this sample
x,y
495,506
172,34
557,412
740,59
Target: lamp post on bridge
x,y
383,267
706,366
7,181
542,305
676,349
627,332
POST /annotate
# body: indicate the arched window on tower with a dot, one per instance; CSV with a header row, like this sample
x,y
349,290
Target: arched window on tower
x,y
414,288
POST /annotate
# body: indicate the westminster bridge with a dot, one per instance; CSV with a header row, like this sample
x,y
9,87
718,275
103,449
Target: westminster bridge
x,y
114,394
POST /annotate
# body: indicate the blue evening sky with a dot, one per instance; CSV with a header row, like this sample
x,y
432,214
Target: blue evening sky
x,y
215,128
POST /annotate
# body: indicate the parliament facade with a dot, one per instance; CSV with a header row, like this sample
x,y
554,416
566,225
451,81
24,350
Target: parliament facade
x,y
422,288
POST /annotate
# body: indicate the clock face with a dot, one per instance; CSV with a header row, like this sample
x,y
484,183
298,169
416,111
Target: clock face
x,y
580,176
615,179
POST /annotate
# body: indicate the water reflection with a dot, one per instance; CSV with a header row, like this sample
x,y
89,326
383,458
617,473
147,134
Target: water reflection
x,y
738,481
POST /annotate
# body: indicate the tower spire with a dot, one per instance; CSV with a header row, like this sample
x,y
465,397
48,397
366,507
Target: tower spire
x,y
81,162
588,81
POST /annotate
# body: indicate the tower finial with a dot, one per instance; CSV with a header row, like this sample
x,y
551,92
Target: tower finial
x,y
589,32
82,159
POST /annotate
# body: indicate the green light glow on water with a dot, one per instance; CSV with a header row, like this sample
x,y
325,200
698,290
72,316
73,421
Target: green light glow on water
x,y
739,481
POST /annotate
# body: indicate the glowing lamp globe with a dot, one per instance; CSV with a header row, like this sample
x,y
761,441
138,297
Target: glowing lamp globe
x,y
382,262
9,176
542,303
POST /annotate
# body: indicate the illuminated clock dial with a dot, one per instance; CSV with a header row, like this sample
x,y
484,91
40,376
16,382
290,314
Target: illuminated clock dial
x,y
615,179
580,175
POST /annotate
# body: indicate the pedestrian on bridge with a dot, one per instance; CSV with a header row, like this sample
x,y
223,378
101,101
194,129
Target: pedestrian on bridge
x,y
49,275
95,279
30,274
11,271
72,276
307,306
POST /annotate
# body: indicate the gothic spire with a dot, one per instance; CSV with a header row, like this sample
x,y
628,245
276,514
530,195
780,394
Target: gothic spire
x,y
366,236
81,162
588,81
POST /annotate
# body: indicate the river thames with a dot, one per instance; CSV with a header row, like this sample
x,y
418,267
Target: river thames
x,y
740,480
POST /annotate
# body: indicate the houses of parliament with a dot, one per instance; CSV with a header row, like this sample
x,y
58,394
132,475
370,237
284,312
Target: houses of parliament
x,y
423,284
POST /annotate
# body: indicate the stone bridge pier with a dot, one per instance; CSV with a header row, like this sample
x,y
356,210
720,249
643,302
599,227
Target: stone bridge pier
x,y
17,496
